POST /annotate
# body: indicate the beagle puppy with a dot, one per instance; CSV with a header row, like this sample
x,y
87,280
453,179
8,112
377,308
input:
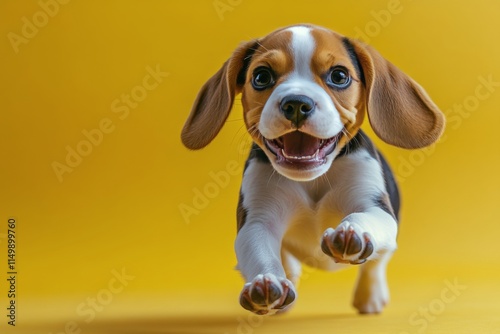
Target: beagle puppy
x,y
315,189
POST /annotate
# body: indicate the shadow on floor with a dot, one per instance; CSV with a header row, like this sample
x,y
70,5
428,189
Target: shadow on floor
x,y
193,324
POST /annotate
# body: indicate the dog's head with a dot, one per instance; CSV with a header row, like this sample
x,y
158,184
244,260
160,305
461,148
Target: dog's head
x,y
304,91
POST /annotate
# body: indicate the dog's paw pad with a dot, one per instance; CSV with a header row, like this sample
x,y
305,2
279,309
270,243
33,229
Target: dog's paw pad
x,y
346,245
267,294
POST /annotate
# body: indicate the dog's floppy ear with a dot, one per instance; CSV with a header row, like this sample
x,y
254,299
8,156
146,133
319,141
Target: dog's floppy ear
x,y
400,111
215,99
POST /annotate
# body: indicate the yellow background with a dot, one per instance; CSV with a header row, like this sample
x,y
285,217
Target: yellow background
x,y
120,207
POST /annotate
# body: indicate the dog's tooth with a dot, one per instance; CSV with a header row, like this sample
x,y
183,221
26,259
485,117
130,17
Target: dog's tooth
x,y
302,157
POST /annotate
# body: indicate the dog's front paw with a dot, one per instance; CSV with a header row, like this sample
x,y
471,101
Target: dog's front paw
x,y
267,294
347,245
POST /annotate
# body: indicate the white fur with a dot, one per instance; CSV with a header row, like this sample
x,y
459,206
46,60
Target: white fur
x,y
286,219
324,122
371,293
359,179
303,46
285,216
258,244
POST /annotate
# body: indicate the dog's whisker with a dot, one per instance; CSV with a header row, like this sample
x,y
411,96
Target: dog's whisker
x,y
255,132
262,46
349,137
278,176
328,181
239,135
364,140
347,133
270,177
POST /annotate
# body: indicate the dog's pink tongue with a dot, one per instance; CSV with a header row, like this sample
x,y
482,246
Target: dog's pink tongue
x,y
299,144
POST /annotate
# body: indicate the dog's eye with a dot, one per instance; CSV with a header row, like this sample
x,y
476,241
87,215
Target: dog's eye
x,y
338,77
262,78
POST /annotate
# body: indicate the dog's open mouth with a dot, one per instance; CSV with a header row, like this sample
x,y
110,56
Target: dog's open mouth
x,y
301,150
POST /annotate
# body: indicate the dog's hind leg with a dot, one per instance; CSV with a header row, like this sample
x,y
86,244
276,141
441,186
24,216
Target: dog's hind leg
x,y
372,293
292,266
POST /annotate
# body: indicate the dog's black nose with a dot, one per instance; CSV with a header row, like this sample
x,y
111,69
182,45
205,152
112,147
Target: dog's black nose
x,y
297,108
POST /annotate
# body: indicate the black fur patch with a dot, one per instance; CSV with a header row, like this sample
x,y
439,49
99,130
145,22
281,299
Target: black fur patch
x,y
241,213
391,186
256,153
360,140
354,58
242,75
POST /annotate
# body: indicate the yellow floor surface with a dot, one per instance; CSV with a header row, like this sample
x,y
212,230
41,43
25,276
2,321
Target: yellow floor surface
x,y
442,304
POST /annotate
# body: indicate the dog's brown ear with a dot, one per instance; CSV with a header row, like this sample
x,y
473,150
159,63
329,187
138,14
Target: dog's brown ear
x,y
215,99
400,111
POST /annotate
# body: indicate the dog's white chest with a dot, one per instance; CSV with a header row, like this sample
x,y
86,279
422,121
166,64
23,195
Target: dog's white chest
x,y
311,207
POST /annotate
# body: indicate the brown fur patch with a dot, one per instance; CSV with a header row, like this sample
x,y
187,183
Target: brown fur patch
x,y
400,111
330,52
274,52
